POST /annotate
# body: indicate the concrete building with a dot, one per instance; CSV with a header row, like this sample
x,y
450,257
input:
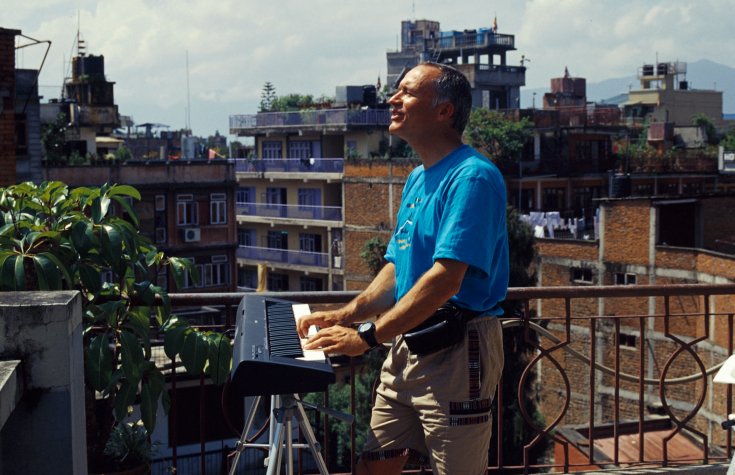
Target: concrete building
x,y
665,97
481,54
88,104
291,201
663,240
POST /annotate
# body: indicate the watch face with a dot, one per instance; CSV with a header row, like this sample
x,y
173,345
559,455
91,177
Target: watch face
x,y
365,326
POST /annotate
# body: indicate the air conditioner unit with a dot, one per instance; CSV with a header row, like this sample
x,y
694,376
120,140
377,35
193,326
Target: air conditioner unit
x,y
192,234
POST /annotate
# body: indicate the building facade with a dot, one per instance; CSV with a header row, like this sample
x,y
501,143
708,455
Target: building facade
x,y
480,54
674,239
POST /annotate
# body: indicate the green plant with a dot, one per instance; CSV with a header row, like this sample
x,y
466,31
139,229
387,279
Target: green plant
x,y
53,138
122,154
54,238
499,137
129,445
373,252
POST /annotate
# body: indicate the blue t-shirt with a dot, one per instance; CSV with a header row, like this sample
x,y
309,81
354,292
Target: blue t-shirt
x,y
455,209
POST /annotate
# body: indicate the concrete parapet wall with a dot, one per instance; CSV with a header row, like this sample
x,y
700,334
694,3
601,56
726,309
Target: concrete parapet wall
x,y
46,431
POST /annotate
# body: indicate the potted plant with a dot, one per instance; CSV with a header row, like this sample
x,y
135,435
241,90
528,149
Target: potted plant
x,y
130,449
56,238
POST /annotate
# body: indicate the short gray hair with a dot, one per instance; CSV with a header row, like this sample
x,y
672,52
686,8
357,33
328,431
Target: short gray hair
x,y
452,86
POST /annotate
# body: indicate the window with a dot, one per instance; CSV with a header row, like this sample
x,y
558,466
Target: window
x,y
246,237
21,135
277,240
625,278
299,149
272,149
277,282
275,196
247,277
217,272
160,235
188,280
352,149
218,208
627,341
311,284
245,195
187,210
582,275
554,199
160,202
309,197
310,242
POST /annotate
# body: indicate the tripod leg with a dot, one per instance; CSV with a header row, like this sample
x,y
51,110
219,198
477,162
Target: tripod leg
x,y
276,448
243,438
310,438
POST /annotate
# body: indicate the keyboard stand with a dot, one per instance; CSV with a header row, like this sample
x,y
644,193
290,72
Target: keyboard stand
x,y
286,407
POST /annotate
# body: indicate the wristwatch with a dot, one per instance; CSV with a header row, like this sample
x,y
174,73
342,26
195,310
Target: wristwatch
x,y
366,330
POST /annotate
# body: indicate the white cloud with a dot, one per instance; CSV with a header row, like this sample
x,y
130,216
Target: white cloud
x,y
235,46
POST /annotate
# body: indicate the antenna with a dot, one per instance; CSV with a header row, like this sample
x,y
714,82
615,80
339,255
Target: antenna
x,y
188,100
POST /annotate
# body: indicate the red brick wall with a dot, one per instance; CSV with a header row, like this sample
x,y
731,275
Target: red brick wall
x,y
627,225
7,99
372,196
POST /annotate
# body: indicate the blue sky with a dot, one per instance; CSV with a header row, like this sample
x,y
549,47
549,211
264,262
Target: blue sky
x,y
309,47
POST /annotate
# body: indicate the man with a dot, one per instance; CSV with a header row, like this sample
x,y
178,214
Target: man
x,y
450,245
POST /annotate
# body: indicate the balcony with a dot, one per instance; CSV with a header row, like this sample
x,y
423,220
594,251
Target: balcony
x,y
293,212
322,120
285,256
290,165
634,386
463,40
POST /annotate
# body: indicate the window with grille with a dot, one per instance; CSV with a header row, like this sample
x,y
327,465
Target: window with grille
x,y
582,275
187,210
625,278
272,149
218,208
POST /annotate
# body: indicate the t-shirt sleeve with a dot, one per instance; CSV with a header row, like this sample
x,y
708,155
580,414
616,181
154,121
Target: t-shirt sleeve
x,y
473,212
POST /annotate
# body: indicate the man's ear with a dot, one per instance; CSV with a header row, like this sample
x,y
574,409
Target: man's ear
x,y
446,111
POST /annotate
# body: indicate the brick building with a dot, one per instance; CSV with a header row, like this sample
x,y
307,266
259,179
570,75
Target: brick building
x,y
7,106
186,209
642,241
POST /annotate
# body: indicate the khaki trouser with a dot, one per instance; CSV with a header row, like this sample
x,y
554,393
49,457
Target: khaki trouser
x,y
437,406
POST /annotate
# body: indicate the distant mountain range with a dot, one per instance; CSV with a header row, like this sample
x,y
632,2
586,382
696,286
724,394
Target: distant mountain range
x,y
702,74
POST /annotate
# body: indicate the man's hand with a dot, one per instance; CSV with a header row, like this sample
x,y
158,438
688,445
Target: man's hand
x,y
319,319
337,339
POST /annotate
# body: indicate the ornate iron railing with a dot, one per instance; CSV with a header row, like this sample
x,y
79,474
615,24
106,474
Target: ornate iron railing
x,y
621,375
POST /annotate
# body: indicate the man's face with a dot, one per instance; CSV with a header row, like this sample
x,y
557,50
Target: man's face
x,y
412,110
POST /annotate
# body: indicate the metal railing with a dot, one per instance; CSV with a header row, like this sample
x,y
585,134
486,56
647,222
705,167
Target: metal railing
x,y
596,374
292,165
285,256
311,118
328,213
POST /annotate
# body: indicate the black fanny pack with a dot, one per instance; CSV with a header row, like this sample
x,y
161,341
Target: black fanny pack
x,y
444,328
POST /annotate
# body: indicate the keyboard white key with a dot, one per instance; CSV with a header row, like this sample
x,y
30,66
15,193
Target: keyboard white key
x,y
300,310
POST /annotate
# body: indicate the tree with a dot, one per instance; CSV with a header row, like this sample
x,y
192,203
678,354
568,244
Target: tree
x,y
498,137
292,102
728,141
54,238
518,349
53,138
702,120
373,254
267,96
